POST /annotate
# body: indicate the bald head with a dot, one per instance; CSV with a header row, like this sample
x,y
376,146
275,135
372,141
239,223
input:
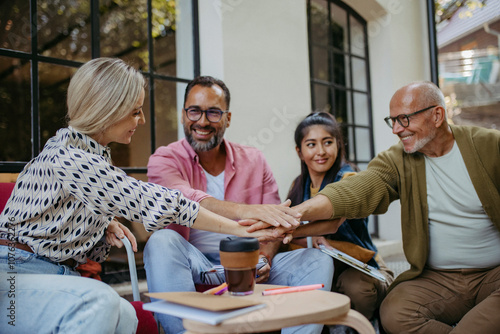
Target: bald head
x,y
418,95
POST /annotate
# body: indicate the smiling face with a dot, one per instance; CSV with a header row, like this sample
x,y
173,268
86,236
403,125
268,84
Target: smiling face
x,y
123,130
319,151
418,136
204,135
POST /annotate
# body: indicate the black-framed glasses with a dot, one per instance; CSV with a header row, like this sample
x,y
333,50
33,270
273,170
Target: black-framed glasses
x,y
213,115
403,119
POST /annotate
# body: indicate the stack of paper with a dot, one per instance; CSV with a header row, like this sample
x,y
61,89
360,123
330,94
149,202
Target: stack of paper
x,y
210,309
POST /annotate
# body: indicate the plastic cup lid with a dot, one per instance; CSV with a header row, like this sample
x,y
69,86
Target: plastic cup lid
x,y
239,244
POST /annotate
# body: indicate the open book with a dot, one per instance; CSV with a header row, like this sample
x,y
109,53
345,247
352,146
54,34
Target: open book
x,y
355,263
201,307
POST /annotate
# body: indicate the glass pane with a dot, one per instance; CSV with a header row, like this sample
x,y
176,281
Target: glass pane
x,y
15,26
320,63
319,22
173,38
351,156
168,101
363,166
371,225
363,140
358,38
339,69
54,81
322,98
359,74
361,109
347,70
15,104
64,29
124,31
341,105
165,54
339,28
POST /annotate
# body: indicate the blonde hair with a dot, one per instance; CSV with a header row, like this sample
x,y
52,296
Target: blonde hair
x,y
101,93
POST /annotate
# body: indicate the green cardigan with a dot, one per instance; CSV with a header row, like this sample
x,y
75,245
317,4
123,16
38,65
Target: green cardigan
x,y
394,174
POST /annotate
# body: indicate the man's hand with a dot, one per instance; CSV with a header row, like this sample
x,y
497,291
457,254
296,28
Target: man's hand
x,y
264,271
271,214
117,231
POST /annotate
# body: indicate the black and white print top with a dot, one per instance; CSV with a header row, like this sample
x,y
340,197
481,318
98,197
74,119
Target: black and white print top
x,y
65,198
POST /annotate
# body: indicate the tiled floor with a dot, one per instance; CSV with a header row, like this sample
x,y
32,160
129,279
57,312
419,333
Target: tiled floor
x,y
397,263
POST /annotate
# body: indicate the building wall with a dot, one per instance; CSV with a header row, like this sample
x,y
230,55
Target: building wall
x,y
259,48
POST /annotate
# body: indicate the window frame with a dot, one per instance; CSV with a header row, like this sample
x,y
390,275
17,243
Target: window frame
x,y
350,91
35,58
351,140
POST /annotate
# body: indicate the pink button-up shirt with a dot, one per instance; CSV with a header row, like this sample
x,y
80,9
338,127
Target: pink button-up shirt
x,y
247,176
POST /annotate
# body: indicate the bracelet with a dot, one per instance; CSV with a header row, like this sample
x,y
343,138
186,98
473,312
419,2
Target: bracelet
x,y
267,257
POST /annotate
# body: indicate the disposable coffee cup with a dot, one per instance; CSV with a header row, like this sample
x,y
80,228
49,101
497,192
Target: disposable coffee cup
x,y
239,257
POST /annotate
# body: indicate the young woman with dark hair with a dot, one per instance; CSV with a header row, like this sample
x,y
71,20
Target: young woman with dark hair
x,y
320,147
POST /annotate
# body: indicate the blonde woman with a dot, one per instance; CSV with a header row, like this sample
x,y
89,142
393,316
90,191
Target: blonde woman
x,y
61,212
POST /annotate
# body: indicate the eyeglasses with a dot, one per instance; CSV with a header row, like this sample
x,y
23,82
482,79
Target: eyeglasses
x,y
213,115
403,119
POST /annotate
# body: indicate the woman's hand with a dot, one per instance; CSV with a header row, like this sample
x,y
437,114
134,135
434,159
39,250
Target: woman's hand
x,y
264,271
271,215
316,241
209,221
117,231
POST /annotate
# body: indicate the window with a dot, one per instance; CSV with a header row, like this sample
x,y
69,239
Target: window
x,y
43,42
340,77
339,67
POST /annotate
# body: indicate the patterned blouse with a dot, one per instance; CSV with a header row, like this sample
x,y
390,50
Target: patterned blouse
x,y
65,198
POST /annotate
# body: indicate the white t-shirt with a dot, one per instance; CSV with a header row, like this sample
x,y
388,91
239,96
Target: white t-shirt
x,y
461,234
208,242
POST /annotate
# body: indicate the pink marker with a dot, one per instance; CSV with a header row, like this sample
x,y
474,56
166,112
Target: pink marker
x,y
278,291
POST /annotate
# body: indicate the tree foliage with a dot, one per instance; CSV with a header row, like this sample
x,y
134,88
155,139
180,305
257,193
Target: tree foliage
x,y
445,9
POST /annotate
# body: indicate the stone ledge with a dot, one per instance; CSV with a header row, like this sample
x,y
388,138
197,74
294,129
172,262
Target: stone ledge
x,y
388,248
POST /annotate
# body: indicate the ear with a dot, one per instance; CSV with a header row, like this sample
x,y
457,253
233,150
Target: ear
x,y
439,116
228,119
299,153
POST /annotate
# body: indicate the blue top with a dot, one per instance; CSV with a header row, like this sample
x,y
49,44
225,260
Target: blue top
x,y
352,230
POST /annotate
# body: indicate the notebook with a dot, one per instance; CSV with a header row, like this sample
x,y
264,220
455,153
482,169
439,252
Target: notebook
x,y
210,309
355,263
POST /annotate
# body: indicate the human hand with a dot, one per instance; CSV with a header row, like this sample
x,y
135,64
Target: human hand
x,y
263,270
265,235
316,241
116,231
270,215
255,225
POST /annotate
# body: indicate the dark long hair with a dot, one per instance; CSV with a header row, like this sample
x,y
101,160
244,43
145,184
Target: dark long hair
x,y
296,193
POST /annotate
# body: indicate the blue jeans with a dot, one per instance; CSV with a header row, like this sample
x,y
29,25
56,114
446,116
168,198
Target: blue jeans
x,y
173,264
39,296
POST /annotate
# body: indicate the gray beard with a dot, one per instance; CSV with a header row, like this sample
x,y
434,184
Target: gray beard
x,y
207,146
419,144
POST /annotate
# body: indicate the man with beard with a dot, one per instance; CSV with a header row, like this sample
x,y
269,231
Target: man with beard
x,y
232,180
448,182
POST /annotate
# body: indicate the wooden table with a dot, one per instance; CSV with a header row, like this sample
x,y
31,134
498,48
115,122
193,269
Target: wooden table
x,y
287,310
